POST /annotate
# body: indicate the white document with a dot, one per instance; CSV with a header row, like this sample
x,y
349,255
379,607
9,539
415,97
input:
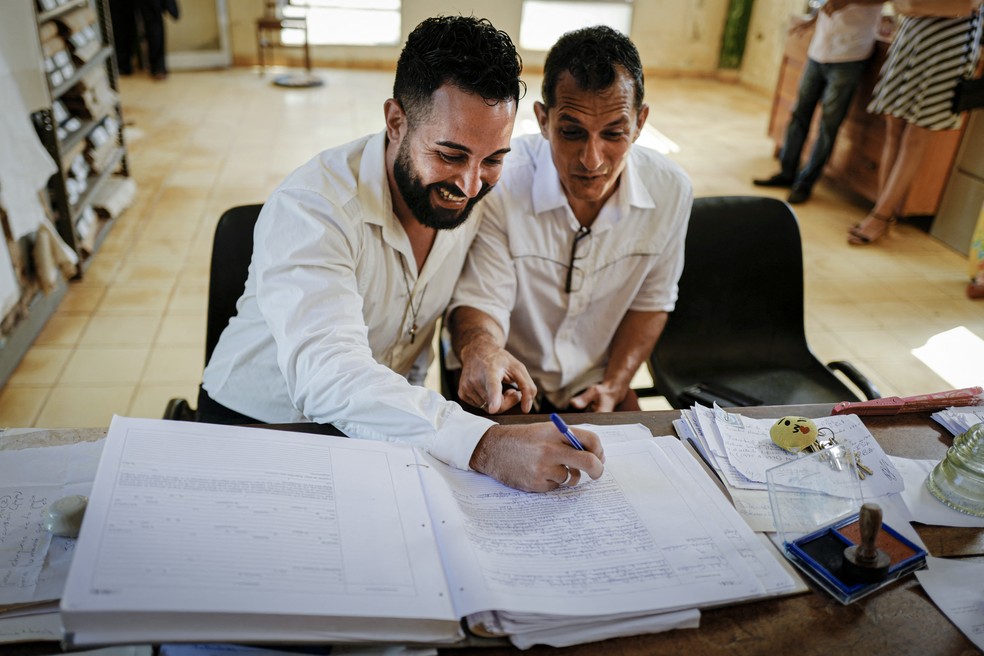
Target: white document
x,y
752,451
586,631
527,552
923,506
955,587
9,286
285,529
214,533
612,433
30,480
26,165
709,421
30,628
228,649
959,420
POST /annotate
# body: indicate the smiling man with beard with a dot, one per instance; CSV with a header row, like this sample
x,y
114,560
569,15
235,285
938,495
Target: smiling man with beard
x,y
355,257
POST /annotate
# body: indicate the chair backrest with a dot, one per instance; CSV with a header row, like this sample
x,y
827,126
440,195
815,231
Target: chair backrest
x,y
740,306
232,249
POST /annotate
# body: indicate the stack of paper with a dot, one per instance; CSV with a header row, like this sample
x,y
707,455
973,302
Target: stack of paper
x,y
214,533
740,451
33,564
960,420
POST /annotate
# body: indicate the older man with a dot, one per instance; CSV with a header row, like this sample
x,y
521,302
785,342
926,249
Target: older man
x,y
568,284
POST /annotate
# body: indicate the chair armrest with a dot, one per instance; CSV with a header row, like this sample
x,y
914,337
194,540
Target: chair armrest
x,y
179,410
857,378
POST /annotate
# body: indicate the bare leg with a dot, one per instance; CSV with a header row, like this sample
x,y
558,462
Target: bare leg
x,y
911,148
890,149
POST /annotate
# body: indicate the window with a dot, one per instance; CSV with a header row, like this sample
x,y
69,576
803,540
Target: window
x,y
544,21
346,22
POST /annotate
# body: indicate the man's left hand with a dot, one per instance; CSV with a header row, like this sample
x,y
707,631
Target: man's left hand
x,y
606,397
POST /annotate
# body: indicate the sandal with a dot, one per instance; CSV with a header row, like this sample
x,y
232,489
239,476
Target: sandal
x,y
857,237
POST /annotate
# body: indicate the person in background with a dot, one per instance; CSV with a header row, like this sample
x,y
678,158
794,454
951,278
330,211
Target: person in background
x,y
124,14
927,59
575,268
354,260
842,42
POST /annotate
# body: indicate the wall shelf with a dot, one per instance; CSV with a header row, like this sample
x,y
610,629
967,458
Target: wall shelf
x,y
35,307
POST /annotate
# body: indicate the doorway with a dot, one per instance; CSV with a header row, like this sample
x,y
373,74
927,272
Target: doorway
x,y
200,38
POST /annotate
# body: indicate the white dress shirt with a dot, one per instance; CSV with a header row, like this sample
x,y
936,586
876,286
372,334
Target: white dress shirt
x,y
846,36
517,268
322,331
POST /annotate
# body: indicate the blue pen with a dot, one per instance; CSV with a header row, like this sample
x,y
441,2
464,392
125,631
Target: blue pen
x,y
563,428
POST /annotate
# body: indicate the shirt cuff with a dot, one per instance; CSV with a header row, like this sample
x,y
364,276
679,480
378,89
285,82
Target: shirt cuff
x,y
458,436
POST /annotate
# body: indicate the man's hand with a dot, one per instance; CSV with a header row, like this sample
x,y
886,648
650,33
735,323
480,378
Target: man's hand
x,y
602,397
484,369
537,457
486,366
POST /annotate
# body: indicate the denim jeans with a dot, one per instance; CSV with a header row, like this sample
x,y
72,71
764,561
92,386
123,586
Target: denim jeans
x,y
832,87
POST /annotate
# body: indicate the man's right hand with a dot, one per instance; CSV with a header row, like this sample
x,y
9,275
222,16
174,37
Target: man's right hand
x,y
537,457
485,368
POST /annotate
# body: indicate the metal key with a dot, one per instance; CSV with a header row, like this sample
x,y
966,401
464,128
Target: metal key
x,y
863,469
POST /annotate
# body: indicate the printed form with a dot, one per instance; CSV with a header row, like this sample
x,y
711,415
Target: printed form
x,y
319,527
660,534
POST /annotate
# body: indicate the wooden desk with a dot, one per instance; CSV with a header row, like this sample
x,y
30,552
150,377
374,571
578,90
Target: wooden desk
x,y
898,620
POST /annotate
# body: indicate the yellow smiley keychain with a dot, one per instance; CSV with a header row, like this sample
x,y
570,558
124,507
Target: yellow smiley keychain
x,y
793,433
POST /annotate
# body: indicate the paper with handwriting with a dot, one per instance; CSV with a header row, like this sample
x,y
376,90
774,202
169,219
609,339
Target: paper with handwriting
x,y
32,565
750,449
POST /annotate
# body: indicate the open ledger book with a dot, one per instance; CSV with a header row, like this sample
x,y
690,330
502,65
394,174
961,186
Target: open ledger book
x,y
211,533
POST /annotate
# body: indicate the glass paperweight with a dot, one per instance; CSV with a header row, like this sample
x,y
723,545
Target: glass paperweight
x,y
958,480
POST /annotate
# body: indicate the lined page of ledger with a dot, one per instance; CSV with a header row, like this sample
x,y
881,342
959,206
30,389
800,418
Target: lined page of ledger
x,y
653,534
290,524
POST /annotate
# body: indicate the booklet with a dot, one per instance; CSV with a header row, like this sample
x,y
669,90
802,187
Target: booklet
x,y
203,533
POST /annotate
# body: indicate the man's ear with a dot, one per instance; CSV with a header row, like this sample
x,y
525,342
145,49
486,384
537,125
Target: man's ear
x,y
396,121
641,119
541,118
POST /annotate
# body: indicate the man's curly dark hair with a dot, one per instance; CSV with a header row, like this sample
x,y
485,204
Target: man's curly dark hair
x,y
465,51
590,55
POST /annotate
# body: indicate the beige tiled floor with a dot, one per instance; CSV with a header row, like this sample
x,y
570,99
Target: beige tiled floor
x,y
129,336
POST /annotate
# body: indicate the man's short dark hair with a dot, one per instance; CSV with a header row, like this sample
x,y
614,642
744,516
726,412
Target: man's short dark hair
x,y
591,55
467,52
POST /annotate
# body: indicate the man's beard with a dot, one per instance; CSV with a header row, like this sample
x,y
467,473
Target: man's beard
x,y
417,196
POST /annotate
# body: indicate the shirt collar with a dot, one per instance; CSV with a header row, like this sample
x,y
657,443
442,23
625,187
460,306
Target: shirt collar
x,y
376,199
374,192
377,203
548,194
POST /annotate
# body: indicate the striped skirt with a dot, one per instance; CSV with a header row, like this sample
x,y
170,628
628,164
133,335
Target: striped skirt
x,y
926,60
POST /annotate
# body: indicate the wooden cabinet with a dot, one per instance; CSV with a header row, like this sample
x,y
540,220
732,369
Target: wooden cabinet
x,y
856,157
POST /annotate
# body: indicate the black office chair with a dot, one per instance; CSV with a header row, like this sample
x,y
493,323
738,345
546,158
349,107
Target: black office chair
x,y
232,249
736,336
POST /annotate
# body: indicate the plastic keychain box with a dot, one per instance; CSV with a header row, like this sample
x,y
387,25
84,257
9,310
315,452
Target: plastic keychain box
x,y
815,505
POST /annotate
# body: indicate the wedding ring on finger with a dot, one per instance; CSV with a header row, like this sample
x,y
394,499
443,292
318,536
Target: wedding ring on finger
x,y
569,476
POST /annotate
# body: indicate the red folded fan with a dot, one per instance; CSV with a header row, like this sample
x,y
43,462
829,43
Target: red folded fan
x,y
893,405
